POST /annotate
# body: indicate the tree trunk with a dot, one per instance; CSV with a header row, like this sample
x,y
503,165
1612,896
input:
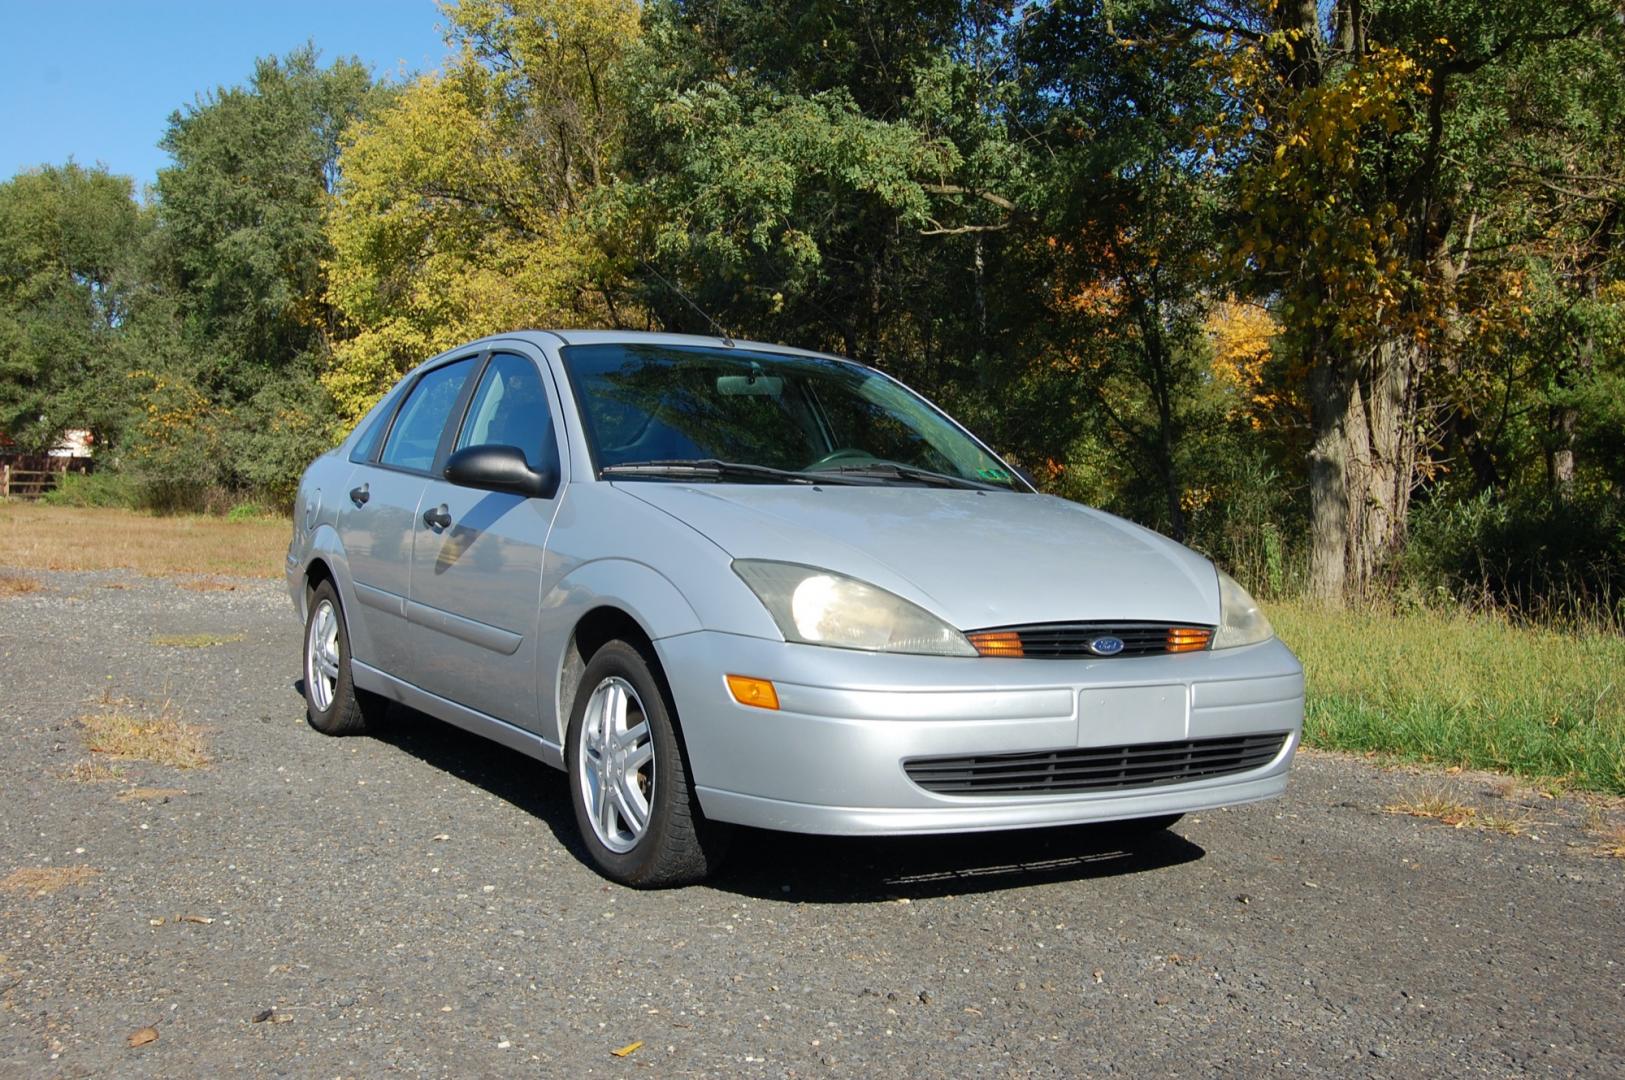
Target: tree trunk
x,y
1328,485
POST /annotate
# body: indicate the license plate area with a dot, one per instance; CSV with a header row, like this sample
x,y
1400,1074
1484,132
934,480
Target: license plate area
x,y
1122,715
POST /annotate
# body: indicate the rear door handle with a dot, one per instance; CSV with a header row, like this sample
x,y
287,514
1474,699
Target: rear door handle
x,y
359,496
438,518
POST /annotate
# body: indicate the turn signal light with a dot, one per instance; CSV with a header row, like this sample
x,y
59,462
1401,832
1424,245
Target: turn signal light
x,y
1188,638
998,643
755,692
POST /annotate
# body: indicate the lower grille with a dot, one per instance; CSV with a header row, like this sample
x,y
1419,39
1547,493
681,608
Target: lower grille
x,y
1094,768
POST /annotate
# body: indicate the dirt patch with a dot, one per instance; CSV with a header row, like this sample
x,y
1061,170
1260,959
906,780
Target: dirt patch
x,y
151,794
45,880
195,641
207,585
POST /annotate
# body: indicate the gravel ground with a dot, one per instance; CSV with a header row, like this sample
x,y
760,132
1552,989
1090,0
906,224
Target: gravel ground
x,y
416,903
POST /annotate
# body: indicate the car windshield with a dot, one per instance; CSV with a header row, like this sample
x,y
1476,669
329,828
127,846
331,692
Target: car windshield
x,y
671,411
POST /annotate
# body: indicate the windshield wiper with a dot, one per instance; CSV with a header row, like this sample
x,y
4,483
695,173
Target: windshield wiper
x,y
892,470
715,469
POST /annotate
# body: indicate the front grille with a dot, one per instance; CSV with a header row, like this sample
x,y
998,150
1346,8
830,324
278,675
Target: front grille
x,y
1094,768
1073,641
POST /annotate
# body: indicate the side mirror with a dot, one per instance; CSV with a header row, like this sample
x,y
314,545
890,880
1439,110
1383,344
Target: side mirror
x,y
494,467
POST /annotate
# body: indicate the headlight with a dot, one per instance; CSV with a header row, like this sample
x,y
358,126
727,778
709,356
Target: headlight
x,y
1240,621
820,607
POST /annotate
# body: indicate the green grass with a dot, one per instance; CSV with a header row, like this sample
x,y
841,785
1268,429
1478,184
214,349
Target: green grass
x,y
1463,689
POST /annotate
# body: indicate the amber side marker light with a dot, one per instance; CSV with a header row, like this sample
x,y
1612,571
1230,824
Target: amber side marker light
x,y
756,692
1188,638
998,643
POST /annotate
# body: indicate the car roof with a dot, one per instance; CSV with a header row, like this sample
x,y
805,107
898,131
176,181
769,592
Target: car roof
x,y
618,337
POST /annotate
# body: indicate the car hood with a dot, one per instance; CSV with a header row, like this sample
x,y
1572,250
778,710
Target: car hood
x,y
976,558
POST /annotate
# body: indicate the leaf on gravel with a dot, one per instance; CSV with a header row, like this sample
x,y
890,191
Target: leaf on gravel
x,y
143,1036
263,1015
628,1049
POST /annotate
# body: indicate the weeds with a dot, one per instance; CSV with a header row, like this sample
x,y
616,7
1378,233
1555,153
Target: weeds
x,y
1470,690
17,584
87,772
126,733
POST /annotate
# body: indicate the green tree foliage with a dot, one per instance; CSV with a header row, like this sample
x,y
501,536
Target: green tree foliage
x,y
243,323
67,240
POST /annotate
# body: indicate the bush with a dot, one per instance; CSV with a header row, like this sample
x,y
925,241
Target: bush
x,y
247,511
103,488
1533,555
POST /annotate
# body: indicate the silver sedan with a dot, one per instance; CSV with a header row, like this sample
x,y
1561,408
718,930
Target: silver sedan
x,y
726,583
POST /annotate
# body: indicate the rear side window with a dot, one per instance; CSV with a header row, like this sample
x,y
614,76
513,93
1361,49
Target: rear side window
x,y
415,436
510,409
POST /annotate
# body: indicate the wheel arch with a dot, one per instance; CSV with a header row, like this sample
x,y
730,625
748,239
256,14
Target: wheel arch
x,y
607,600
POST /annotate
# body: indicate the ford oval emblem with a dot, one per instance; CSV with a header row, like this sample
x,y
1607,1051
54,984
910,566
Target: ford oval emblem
x,y
1106,646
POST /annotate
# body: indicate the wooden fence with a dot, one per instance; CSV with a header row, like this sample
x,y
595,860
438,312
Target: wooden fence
x,y
30,476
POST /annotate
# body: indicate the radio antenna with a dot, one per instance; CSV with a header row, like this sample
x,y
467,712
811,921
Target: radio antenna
x,y
685,298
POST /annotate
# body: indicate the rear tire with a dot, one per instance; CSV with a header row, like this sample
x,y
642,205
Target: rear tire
x,y
333,705
629,781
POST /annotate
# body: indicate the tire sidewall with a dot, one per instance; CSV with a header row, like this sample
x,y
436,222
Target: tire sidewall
x,y
641,862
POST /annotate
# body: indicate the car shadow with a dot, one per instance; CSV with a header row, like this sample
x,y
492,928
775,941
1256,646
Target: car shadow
x,y
816,869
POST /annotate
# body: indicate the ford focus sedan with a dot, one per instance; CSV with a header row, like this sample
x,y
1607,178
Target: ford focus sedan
x,y
722,583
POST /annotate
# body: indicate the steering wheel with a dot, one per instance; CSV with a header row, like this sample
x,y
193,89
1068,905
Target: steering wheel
x,y
834,457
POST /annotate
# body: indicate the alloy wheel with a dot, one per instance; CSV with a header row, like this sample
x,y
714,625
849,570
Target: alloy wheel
x,y
617,765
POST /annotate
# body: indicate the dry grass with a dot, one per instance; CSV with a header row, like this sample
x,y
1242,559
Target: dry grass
x,y
1437,805
207,585
126,733
17,584
45,880
87,772
42,537
195,641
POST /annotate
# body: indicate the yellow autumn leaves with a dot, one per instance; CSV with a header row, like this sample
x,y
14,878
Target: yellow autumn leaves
x,y
460,212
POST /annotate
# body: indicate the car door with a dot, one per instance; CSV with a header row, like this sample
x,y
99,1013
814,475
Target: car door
x,y
478,555
377,516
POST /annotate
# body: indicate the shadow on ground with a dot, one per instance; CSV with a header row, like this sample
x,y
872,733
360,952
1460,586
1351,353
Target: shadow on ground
x,y
817,869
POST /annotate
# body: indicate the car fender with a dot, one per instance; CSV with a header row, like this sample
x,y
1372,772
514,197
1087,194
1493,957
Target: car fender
x,y
646,595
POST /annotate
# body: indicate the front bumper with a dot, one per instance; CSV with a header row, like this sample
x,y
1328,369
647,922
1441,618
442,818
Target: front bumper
x,y
830,759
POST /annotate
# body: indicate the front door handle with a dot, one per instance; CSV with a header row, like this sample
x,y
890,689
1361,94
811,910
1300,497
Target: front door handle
x,y
438,518
359,496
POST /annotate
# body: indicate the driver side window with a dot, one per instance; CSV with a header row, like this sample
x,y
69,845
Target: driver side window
x,y
510,409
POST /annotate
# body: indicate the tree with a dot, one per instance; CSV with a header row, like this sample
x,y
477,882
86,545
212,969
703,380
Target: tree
x,y
67,235
1363,186
464,207
241,209
243,323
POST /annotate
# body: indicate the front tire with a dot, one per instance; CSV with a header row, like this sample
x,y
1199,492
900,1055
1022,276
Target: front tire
x,y
629,783
333,705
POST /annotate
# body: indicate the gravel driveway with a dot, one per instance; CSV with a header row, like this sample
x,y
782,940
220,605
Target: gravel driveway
x,y
415,903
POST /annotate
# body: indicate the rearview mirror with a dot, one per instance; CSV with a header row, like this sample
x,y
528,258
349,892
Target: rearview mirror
x,y
495,467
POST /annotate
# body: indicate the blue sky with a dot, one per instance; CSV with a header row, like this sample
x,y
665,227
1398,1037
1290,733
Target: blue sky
x,y
97,79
